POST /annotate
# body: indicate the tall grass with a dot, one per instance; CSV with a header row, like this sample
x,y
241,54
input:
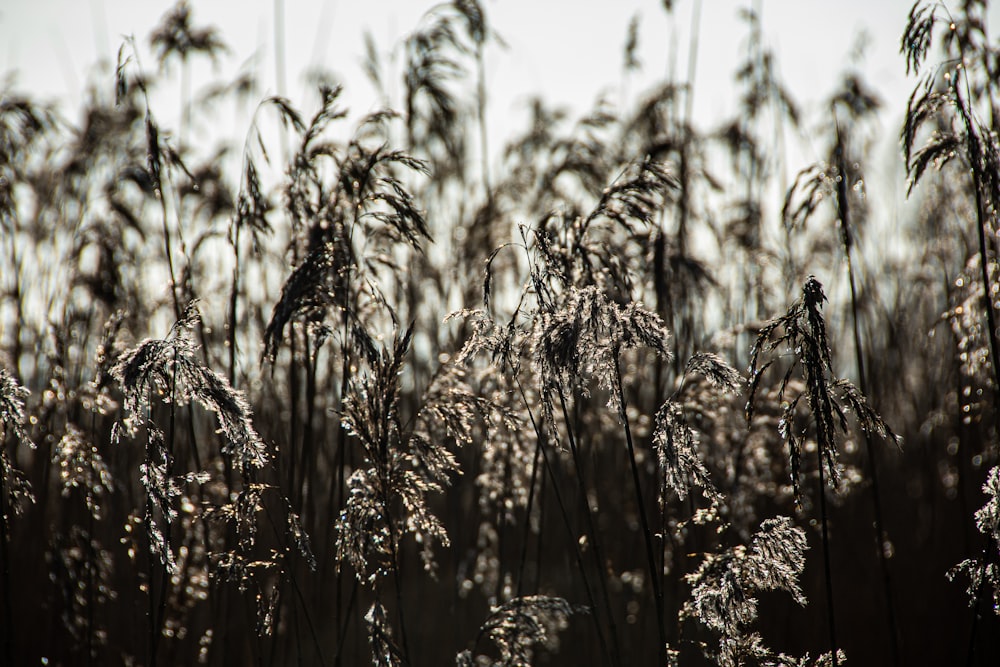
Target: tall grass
x,y
393,394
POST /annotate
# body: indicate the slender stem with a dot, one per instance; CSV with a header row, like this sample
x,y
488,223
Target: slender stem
x,y
8,608
233,302
985,562
975,150
151,596
846,236
282,539
91,565
150,588
345,623
293,397
170,258
398,585
976,158
591,528
231,334
481,112
527,517
827,570
342,462
165,578
305,451
551,469
18,298
502,522
384,485
647,534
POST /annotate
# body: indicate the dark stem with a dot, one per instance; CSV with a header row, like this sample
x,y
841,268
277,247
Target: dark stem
x,y
976,158
527,518
551,469
847,243
293,396
647,534
481,112
337,499
827,570
591,528
233,297
151,610
170,257
91,564
282,539
233,302
397,580
8,608
345,622
306,467
18,298
165,579
978,604
502,522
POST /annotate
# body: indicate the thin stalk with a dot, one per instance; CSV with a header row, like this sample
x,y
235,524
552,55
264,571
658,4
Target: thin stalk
x,y
827,570
298,633
151,596
150,588
978,604
551,469
8,607
308,467
233,299
231,340
344,624
398,585
300,484
647,535
501,523
336,502
170,258
91,564
481,113
843,209
337,499
393,550
282,539
90,590
527,518
540,542
165,580
591,528
293,397
18,298
977,159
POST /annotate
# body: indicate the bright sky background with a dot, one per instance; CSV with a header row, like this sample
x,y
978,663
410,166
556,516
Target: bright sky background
x,y
569,50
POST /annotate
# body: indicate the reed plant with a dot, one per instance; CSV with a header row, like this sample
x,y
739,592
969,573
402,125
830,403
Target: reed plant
x,y
345,388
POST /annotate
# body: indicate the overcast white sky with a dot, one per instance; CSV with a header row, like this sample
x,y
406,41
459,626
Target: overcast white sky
x,y
568,50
